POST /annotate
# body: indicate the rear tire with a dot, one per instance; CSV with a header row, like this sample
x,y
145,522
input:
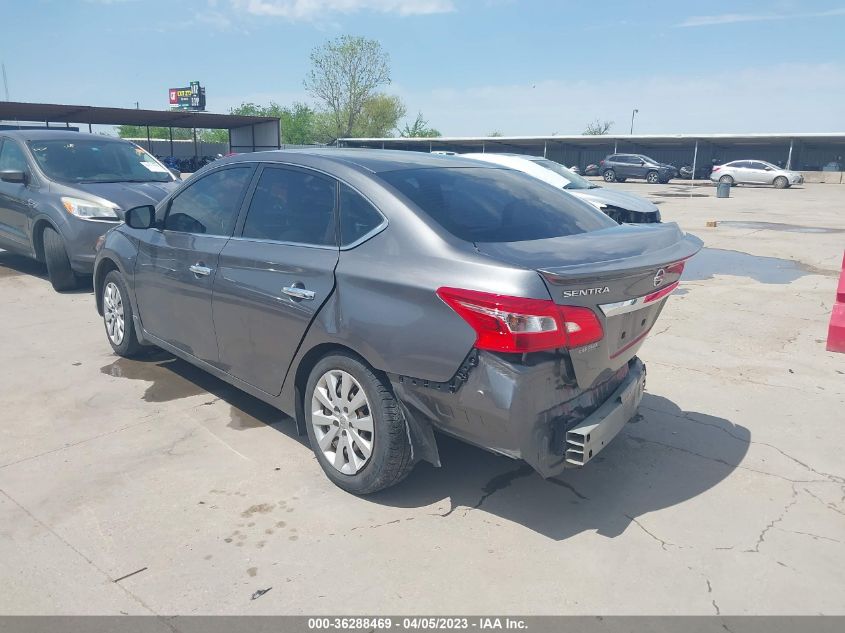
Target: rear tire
x,y
781,182
363,445
117,316
609,175
59,271
652,177
727,179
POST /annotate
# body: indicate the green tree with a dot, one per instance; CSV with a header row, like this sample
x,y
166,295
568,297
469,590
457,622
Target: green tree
x,y
345,73
379,117
419,128
297,121
597,128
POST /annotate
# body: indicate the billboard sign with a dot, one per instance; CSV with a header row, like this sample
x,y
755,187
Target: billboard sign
x,y
190,98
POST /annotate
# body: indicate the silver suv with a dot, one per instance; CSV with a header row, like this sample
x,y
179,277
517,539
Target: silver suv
x,y
377,296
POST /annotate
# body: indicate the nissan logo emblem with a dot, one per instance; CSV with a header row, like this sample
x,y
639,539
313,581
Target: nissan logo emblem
x,y
658,277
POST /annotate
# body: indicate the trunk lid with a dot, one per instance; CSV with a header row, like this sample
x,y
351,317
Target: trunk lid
x,y
624,274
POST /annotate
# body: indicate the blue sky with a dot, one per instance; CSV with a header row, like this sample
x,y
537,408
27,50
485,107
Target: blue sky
x,y
471,66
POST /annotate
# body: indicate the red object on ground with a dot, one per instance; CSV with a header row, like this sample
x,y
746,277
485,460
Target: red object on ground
x,y
836,331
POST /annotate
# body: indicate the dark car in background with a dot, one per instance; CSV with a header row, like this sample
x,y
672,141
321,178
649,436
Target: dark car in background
x,y
620,167
376,296
61,190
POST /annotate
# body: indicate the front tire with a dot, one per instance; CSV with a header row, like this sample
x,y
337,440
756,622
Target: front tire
x,y
59,271
652,178
781,182
727,180
117,316
609,175
355,426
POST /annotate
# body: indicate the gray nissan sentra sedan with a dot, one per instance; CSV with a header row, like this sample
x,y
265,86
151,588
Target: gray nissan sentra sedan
x,y
376,296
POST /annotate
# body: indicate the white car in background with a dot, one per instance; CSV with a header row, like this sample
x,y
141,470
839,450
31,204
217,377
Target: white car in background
x,y
621,206
755,172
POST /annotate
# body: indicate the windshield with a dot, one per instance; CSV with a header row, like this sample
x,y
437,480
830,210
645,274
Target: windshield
x,y
575,181
649,160
86,160
495,205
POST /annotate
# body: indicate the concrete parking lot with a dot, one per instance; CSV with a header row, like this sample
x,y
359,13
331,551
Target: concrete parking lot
x,y
150,487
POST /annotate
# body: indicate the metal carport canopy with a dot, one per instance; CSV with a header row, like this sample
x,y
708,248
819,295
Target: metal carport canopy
x,y
94,115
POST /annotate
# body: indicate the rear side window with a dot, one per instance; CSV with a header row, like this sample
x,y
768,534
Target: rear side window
x,y
357,216
292,206
210,205
11,157
495,205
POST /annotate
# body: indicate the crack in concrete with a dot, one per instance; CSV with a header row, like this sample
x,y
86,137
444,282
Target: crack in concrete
x,y
826,504
570,487
722,461
834,478
497,483
90,562
663,543
814,536
772,523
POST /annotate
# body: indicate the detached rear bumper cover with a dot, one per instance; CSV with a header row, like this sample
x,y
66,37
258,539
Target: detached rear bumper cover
x,y
536,413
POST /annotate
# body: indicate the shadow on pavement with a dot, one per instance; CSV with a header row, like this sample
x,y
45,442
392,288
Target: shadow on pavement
x,y
664,457
13,265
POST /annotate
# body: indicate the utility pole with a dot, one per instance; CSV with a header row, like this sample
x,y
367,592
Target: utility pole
x,y
5,82
137,106
633,113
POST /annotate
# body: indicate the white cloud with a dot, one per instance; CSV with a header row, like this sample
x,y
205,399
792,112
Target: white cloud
x,y
732,18
311,9
777,98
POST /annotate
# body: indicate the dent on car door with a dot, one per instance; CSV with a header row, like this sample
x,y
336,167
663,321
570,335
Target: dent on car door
x,y
177,263
275,274
14,197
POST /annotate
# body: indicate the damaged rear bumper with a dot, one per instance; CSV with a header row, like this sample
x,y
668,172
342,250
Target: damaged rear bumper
x,y
532,412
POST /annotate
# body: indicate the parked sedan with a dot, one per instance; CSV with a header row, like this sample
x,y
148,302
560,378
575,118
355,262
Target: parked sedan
x,y
61,190
755,172
619,205
376,296
620,167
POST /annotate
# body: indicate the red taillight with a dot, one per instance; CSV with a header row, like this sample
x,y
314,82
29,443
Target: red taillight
x,y
517,324
601,162
716,168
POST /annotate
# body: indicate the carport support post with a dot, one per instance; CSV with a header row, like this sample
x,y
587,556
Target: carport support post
x,y
195,142
149,142
694,161
789,158
170,132
545,148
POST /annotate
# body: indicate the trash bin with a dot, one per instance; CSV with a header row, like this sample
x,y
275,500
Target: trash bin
x,y
723,190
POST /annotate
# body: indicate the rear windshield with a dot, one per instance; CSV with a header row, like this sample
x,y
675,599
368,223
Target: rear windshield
x,y
84,160
495,205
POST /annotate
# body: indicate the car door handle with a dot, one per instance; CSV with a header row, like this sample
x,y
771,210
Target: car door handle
x,y
199,270
298,293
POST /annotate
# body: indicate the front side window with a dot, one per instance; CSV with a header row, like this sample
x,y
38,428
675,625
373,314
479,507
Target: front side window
x,y
292,206
357,216
495,205
107,160
11,157
210,205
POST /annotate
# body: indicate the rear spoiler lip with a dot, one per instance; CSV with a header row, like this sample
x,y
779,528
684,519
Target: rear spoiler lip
x,y
680,251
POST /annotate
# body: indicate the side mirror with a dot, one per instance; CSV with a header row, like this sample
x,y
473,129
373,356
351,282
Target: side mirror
x,y
176,173
142,217
15,176
642,162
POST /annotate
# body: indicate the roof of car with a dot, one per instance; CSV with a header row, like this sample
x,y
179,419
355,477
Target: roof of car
x,y
56,135
372,160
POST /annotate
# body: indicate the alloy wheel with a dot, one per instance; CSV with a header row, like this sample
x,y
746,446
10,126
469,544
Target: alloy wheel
x,y
342,421
113,313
